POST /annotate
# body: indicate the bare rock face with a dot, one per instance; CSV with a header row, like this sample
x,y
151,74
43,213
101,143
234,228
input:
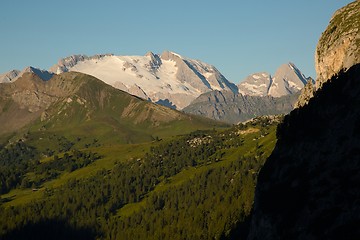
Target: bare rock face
x,y
233,108
339,45
14,75
137,91
9,76
306,94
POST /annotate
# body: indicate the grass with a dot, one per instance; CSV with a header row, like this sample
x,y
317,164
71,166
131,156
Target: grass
x,y
127,152
93,109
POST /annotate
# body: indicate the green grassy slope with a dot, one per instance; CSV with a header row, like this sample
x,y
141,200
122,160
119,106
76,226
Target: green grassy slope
x,y
130,177
81,108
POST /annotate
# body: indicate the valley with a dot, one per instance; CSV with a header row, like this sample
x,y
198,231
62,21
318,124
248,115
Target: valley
x,y
163,146
135,179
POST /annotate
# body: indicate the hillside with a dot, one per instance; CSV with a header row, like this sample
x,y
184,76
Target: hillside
x,y
194,186
76,105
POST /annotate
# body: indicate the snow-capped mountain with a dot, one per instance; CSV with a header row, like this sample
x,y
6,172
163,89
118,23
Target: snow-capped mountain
x,y
256,84
13,75
169,78
287,79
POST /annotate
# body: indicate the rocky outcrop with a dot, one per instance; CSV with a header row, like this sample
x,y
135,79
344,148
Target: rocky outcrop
x,y
234,108
42,74
306,94
338,48
339,45
9,76
137,91
66,63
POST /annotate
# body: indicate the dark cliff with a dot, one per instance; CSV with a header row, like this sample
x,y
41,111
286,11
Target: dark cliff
x,y
309,187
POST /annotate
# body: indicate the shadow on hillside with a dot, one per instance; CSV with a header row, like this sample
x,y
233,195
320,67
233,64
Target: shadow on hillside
x,y
49,229
240,231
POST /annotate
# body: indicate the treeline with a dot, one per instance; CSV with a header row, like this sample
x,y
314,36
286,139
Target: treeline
x,y
19,159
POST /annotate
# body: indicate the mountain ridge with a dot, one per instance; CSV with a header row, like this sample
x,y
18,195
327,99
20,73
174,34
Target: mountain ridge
x,y
166,77
78,104
234,108
169,79
14,75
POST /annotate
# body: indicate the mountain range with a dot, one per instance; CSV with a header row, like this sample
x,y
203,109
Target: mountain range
x,y
169,79
185,84
82,159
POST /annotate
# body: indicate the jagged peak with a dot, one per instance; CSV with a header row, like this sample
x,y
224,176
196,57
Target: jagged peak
x,y
168,55
150,54
14,75
9,76
43,74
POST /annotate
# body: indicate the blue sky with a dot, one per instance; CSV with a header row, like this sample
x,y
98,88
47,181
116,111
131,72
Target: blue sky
x,y
238,37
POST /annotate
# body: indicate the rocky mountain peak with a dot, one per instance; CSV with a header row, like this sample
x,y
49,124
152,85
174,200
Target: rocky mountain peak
x,y
14,75
287,79
43,74
155,60
167,55
68,62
